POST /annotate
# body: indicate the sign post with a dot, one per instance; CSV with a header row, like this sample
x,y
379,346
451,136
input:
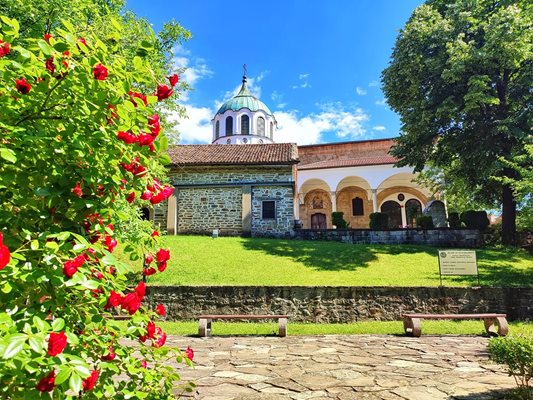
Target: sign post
x,y
458,262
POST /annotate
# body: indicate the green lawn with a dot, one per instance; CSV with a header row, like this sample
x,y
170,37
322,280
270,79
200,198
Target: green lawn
x,y
201,260
364,327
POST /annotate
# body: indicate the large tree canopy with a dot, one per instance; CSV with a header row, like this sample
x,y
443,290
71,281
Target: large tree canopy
x,y
461,78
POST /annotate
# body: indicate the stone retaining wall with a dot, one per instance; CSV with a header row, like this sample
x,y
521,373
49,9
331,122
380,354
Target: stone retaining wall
x,y
339,304
444,237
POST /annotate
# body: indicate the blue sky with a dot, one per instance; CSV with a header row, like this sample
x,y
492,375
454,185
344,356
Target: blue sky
x,y
316,64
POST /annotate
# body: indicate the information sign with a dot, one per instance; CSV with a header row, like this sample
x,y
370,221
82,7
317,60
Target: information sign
x,y
458,262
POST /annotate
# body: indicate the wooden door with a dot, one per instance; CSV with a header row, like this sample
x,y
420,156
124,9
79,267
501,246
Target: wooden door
x,y
318,221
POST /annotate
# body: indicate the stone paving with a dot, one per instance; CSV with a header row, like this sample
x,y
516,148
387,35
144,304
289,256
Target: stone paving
x,y
344,367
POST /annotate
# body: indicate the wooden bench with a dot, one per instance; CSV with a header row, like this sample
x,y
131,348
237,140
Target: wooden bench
x,y
494,323
204,322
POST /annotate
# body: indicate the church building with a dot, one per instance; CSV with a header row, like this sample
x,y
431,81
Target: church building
x,y
246,184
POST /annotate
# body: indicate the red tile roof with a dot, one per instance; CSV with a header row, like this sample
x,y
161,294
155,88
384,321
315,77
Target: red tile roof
x,y
233,154
353,162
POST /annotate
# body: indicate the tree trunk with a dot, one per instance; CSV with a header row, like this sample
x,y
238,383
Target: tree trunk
x,y
508,216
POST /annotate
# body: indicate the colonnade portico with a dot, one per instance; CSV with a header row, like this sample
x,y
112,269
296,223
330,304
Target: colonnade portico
x,y
365,188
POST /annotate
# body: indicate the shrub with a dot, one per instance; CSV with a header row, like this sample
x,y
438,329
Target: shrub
x,y
337,219
517,353
425,222
454,221
379,221
475,219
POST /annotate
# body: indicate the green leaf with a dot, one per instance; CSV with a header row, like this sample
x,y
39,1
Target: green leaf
x,y
75,382
81,367
23,52
58,324
36,344
109,260
52,245
6,287
8,155
164,159
68,25
61,47
63,236
39,324
72,338
45,47
14,345
63,375
137,62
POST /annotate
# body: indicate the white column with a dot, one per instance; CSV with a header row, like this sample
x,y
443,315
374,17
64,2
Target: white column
x,y
172,213
333,201
375,199
404,215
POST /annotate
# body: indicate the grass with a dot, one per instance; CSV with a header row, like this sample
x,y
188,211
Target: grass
x,y
201,260
190,328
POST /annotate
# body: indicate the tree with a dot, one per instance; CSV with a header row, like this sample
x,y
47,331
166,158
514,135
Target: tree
x,y
80,148
460,77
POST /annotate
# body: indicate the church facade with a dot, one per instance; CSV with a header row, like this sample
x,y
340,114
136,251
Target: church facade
x,y
245,184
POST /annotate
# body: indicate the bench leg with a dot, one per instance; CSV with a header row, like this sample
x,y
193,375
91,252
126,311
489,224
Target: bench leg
x,y
204,327
496,326
282,327
412,326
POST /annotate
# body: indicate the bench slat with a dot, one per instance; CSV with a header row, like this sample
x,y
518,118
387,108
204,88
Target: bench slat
x,y
454,316
225,316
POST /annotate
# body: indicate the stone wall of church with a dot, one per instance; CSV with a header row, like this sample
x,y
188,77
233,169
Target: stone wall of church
x,y
200,210
283,224
203,206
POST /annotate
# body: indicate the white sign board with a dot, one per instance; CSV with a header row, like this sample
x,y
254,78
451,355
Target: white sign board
x,y
457,262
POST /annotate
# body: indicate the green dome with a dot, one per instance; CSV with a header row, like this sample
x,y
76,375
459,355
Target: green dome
x,y
244,99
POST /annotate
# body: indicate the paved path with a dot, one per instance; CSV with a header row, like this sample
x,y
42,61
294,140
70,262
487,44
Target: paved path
x,y
344,367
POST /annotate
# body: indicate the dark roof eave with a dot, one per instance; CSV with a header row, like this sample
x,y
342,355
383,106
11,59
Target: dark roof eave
x,y
280,163
303,167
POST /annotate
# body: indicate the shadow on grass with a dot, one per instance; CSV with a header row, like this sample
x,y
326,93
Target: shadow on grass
x,y
499,394
330,256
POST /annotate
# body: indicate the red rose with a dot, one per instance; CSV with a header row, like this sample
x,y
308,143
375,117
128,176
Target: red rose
x,y
70,267
47,383
131,303
150,330
146,195
5,254
127,137
143,364
22,85
155,129
82,40
145,139
161,338
141,290
99,72
49,64
153,120
134,95
56,343
163,92
149,271
162,266
114,300
148,259
154,234
160,310
189,353
47,37
163,255
78,192
131,197
173,79
110,356
5,48
110,243
90,382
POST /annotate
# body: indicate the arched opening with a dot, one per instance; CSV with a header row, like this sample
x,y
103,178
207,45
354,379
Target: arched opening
x,y
394,211
271,131
217,129
413,209
261,126
245,125
229,126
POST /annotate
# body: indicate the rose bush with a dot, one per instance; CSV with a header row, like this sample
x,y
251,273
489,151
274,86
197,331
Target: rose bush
x,y
67,178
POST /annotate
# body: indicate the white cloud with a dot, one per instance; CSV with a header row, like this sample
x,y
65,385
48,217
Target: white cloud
x,y
196,128
304,84
373,84
382,102
360,91
193,68
310,128
379,128
281,105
